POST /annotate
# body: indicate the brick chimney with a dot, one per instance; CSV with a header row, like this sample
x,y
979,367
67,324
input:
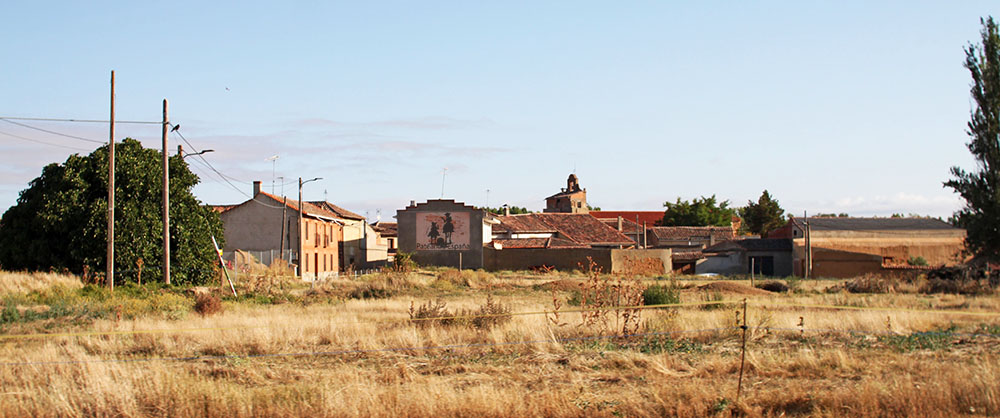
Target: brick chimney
x,y
619,224
256,188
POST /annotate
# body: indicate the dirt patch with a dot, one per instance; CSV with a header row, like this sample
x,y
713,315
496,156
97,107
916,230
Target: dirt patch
x,y
562,285
730,287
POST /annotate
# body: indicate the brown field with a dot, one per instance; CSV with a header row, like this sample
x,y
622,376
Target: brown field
x,y
349,348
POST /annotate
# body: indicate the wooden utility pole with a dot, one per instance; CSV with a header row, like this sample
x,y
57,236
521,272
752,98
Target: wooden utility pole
x,y
284,220
166,198
111,191
301,258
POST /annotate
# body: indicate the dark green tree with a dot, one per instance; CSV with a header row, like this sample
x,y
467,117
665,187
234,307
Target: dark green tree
x,y
60,220
980,215
763,216
703,211
514,210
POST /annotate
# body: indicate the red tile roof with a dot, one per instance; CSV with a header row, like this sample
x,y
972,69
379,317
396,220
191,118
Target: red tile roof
x,y
221,208
308,208
537,243
651,218
628,227
386,229
339,211
576,227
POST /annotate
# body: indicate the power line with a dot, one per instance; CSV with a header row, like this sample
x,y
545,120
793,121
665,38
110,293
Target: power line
x,y
43,142
223,176
80,120
53,132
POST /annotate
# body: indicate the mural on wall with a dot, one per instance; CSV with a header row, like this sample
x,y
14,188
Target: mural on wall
x,y
443,231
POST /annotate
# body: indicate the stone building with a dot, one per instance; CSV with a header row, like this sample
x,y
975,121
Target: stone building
x,y
572,199
444,233
269,224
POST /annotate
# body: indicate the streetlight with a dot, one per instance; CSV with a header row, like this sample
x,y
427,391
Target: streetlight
x,y
302,270
204,151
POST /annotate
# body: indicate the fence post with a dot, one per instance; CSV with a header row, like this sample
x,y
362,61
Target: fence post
x,y
743,351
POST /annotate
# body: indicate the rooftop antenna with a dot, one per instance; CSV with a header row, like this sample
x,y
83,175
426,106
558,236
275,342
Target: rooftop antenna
x,y
487,198
378,215
444,171
325,199
272,159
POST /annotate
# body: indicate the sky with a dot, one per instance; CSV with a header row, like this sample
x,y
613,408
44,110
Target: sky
x,y
833,107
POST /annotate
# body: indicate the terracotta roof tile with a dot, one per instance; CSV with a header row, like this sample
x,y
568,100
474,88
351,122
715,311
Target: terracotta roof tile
x,y
579,228
339,211
650,217
537,243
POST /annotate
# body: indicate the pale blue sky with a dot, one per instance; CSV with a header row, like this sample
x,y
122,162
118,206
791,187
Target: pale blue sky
x,y
831,106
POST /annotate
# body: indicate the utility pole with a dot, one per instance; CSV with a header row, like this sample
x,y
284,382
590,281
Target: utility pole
x,y
302,272
111,191
284,220
166,197
808,249
301,246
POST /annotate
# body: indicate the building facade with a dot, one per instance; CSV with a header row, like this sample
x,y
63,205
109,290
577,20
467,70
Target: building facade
x,y
572,199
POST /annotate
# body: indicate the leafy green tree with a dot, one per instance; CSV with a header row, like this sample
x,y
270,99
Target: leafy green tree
x,y
60,220
703,211
514,210
980,188
763,216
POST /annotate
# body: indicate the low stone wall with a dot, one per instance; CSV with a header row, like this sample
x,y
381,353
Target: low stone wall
x,y
608,260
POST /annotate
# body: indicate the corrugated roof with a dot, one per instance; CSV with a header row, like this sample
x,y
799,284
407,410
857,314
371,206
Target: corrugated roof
x,y
873,224
759,244
669,233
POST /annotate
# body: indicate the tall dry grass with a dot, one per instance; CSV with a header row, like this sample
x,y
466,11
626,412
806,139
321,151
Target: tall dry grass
x,y
288,360
25,282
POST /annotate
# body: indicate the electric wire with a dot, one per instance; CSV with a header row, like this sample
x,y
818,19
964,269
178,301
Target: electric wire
x,y
43,142
53,132
224,177
139,122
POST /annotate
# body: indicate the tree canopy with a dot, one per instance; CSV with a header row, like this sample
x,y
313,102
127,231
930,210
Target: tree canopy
x,y
514,210
60,220
703,211
762,216
980,188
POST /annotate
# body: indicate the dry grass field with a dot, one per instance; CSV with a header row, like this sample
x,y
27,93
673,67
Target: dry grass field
x,y
352,348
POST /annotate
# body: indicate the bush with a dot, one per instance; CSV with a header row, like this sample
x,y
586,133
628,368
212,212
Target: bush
x,y
661,295
488,315
773,286
207,304
403,262
917,261
431,313
714,296
871,284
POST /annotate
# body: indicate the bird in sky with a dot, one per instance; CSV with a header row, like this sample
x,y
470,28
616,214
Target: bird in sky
x,y
176,127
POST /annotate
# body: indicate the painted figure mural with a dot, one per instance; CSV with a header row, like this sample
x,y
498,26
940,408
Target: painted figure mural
x,y
443,231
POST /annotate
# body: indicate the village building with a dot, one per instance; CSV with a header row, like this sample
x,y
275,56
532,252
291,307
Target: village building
x,y
444,232
267,226
763,257
572,199
387,231
362,247
848,247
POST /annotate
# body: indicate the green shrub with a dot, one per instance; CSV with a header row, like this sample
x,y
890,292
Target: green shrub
x,y
917,261
661,295
713,296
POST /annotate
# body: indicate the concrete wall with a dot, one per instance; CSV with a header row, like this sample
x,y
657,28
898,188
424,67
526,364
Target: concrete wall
x,y
738,262
407,234
567,259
